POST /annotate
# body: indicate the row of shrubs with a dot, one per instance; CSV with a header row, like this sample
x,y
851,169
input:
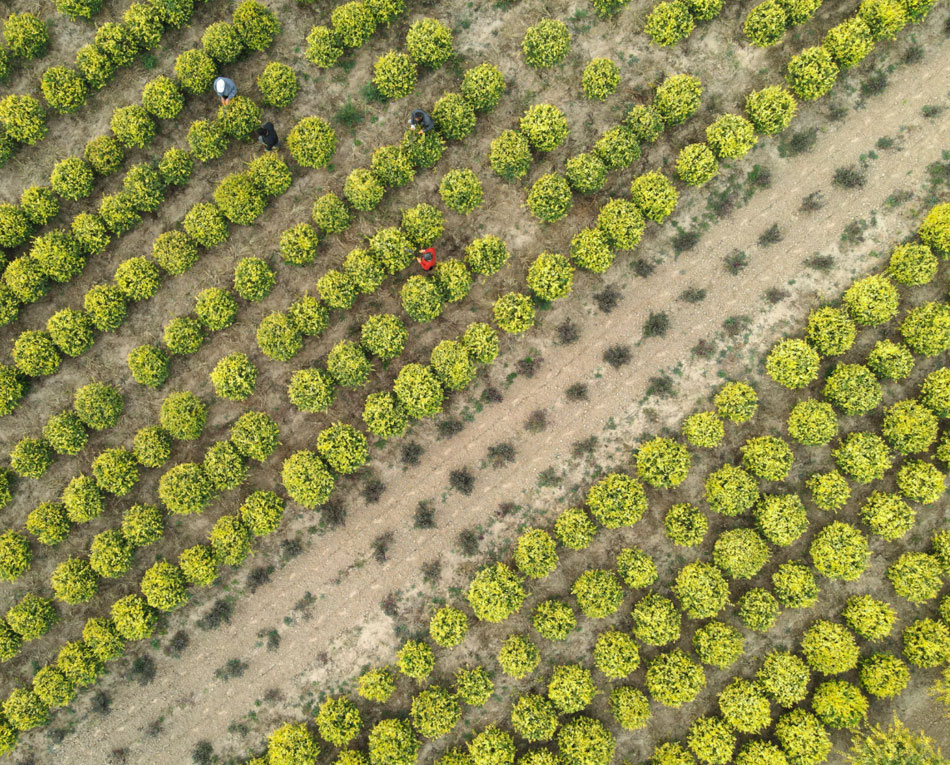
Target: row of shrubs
x,y
164,587
428,44
66,89
96,406
351,25
185,489
239,198
872,301
671,22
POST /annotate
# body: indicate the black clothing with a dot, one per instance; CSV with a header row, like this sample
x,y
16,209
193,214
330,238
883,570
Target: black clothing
x,y
267,135
419,119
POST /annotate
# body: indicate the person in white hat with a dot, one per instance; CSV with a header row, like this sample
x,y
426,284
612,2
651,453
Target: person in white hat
x,y
226,89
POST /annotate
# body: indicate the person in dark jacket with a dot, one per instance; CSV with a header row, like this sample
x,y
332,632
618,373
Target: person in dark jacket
x,y
226,89
420,121
267,136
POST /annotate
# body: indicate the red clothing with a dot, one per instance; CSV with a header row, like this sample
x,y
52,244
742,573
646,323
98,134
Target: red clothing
x,y
427,258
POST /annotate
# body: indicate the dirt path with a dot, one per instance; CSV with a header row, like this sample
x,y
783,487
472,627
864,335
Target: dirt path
x,y
205,712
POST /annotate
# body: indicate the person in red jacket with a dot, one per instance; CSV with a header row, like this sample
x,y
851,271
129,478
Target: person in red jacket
x,y
426,259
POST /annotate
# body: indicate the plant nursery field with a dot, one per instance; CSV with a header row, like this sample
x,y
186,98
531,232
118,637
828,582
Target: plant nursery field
x,y
651,467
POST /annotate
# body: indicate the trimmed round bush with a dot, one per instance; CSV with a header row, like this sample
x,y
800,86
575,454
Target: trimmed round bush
x,y
116,471
812,73
654,195
616,500
550,276
65,433
256,24
510,155
585,173
278,337
853,389
307,479
544,126
454,117
132,127
362,190
731,491
206,224
148,365
270,174
731,136
840,551
792,363
673,679
183,336
207,140
771,109
239,117
663,463
185,489
461,191
278,85
323,47
429,42
72,178
234,377
98,405
669,22
255,435
546,44
395,75
812,422
549,199
696,164
482,86
58,256
253,279
238,199
312,142
768,457
617,148
600,79
23,118
830,331
152,446
677,98
224,467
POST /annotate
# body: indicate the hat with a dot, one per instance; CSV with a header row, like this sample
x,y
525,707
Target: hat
x,y
219,85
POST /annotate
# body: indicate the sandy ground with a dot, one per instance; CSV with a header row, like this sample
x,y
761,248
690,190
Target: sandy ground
x,y
352,599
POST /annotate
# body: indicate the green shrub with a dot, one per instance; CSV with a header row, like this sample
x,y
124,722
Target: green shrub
x,y
771,109
685,525
812,422
24,119
482,86
731,136
935,230
745,706
175,252
162,98
291,743
132,126
600,79
255,435
421,299
849,42
348,365
82,499
207,140
765,24
663,463
673,679
677,98
935,392
323,47
616,500
384,415
175,167
148,365
767,457
510,155
230,540
453,280
238,199
740,553
912,264
598,593
921,482
278,337
654,195
544,126
39,205
31,457
222,42
152,446
116,471
701,589
71,178
617,148
391,166
890,361
15,227
486,255
717,644
803,737
423,149
571,688
70,331
909,427
452,365
781,519
253,279
205,224
853,388
448,626
353,24
163,586
95,66
585,173
224,467
656,620
550,276
461,191
549,199
104,154
362,190
105,306
495,593
98,405
864,457
65,433
256,24
185,489
696,164
784,677
916,576
312,143
395,75
616,654
840,551
376,685
792,363
134,619
306,479
534,718
518,656
711,740
435,712
883,675
812,73
829,491
669,22
270,174
926,329
342,447
102,639
926,643
415,659
429,42
239,117
234,377
278,85
830,331
622,223
142,525
15,555
546,44
731,490
590,250
757,609
871,619
553,619
183,336
298,244
110,554
574,529
24,710
454,117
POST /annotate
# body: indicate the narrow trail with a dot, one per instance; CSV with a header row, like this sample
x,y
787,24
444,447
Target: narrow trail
x,y
205,713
